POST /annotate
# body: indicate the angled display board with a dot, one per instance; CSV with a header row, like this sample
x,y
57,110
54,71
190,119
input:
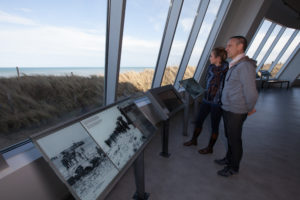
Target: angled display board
x,y
192,87
90,153
118,139
136,117
166,100
78,161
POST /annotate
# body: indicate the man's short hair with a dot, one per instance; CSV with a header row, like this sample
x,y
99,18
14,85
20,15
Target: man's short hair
x,y
242,40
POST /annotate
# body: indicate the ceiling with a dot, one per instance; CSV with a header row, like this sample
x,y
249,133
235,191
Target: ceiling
x,y
293,4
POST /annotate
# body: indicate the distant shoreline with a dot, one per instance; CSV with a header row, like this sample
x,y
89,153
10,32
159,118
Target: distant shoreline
x,y
63,71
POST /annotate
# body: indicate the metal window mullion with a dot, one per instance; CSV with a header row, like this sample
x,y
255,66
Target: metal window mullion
x,y
258,29
114,36
263,42
270,49
202,8
283,50
167,42
212,38
288,61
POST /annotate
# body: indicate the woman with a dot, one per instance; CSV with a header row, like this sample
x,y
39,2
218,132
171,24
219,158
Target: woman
x,y
211,102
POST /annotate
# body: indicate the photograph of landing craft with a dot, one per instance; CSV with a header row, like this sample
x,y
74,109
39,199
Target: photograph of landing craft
x,y
85,167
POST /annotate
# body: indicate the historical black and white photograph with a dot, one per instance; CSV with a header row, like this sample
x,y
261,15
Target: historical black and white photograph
x,y
192,87
119,138
135,115
79,160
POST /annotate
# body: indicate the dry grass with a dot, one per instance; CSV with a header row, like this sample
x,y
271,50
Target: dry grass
x,y
275,69
28,102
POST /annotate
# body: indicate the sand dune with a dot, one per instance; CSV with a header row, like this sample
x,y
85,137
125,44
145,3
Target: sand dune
x,y
31,102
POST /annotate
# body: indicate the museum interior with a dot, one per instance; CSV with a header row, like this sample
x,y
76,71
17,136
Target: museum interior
x,y
115,129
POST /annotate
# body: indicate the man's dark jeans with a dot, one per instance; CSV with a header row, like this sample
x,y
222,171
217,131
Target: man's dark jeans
x,y
233,124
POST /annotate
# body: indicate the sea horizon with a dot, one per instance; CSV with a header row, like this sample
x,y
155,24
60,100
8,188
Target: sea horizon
x,y
62,71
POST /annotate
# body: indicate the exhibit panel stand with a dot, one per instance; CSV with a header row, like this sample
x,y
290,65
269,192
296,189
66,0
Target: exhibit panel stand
x,y
139,173
186,114
167,102
193,92
165,139
92,152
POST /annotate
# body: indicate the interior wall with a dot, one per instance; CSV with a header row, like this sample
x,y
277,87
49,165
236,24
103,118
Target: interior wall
x,y
292,71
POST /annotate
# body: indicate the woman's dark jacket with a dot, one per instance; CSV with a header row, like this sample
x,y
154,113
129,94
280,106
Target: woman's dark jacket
x,y
214,83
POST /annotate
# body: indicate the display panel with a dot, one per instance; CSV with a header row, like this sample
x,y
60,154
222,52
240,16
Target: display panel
x,y
78,161
192,87
166,100
118,138
135,116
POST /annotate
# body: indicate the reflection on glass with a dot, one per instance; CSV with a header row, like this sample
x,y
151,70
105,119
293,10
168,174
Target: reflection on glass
x,y
278,47
56,55
258,38
184,26
143,30
286,55
268,44
208,22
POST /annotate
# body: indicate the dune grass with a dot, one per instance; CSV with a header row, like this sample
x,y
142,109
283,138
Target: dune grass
x,y
28,102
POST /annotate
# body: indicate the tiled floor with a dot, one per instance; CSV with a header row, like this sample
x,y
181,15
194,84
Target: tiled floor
x,y
270,168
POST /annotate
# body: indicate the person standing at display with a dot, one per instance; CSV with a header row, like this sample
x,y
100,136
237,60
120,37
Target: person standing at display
x,y
211,101
239,96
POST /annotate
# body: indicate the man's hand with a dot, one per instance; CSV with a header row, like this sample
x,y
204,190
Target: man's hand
x,y
251,112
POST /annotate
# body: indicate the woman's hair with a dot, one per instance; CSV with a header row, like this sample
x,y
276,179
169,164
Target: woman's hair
x,y
220,52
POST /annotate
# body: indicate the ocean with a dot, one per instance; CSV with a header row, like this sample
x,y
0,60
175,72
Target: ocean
x,y
62,71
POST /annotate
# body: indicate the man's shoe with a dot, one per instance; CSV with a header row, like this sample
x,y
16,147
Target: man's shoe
x,y
227,171
222,161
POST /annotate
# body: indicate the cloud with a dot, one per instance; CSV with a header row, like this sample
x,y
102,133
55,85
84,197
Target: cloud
x,y
26,10
186,24
51,46
15,19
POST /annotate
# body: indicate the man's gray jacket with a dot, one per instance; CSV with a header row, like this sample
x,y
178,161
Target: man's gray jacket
x,y
239,94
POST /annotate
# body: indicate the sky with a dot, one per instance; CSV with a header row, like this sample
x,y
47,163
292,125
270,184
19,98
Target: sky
x,y
66,33
72,33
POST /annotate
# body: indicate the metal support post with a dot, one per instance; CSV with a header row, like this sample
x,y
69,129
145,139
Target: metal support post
x,y
165,139
139,174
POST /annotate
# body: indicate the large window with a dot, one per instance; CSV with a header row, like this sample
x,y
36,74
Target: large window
x,y
258,38
268,44
269,58
187,16
278,47
286,55
206,27
51,63
143,31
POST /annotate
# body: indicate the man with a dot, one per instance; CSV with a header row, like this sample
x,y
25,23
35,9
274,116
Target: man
x,y
239,96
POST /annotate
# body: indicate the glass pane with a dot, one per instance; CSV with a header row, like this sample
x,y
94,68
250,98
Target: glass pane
x,y
59,48
143,30
268,44
286,55
278,47
258,38
208,22
187,16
